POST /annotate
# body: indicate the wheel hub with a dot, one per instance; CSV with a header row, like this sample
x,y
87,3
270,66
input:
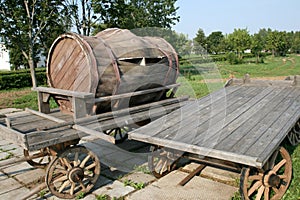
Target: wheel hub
x,y
272,180
76,175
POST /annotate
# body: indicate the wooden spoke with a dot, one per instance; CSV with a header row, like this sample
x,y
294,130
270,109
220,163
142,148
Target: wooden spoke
x,y
64,185
279,165
260,192
294,135
254,188
90,166
120,133
82,164
72,188
76,160
255,177
67,176
272,183
61,179
38,159
161,162
67,163
267,193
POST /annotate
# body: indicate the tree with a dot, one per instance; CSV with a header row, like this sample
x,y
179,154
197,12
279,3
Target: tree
x,y
83,18
200,42
278,43
179,41
257,45
295,48
240,40
133,14
215,42
22,24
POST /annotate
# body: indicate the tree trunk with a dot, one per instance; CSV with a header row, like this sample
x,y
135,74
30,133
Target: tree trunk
x,y
32,72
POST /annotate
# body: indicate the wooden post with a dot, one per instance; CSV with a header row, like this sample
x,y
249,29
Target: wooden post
x,y
246,79
296,81
43,102
82,107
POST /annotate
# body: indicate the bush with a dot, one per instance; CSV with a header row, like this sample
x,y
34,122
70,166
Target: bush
x,y
21,79
233,59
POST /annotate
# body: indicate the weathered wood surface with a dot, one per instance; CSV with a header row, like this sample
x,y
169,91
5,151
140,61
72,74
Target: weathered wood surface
x,y
241,124
35,130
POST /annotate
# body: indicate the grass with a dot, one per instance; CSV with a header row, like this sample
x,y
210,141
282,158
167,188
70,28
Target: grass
x,y
272,66
21,98
133,184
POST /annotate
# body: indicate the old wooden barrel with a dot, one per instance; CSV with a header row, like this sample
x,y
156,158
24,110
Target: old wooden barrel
x,y
115,61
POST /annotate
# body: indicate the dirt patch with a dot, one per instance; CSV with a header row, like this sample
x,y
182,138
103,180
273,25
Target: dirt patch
x,y
7,97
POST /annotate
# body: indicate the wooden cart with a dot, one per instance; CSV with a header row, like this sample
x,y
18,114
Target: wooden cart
x,y
240,127
50,139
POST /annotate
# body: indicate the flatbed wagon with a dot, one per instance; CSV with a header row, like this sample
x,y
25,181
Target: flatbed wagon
x,y
240,127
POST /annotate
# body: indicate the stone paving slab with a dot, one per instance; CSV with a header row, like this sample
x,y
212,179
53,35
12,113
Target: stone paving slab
x,y
9,184
15,194
17,168
31,176
199,188
115,189
217,174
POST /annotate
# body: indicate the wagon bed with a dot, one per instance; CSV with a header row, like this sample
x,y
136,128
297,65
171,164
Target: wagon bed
x,y
243,123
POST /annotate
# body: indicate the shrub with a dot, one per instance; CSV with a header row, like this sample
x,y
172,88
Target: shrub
x,y
21,78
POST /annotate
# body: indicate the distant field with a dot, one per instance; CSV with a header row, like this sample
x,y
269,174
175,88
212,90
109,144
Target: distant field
x,y
207,77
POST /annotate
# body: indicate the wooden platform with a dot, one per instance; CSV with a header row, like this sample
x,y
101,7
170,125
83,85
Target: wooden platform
x,y
34,130
241,124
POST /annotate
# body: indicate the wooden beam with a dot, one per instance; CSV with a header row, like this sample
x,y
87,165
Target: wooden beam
x,y
191,175
45,116
94,133
61,92
131,94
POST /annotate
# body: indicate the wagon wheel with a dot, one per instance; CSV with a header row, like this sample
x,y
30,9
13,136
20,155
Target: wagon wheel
x,y
270,183
161,161
294,135
42,157
120,133
74,171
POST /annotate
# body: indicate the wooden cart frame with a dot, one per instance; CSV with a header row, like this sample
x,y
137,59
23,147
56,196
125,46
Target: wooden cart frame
x,y
240,128
50,138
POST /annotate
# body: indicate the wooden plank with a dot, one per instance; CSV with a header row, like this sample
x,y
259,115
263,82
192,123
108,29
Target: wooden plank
x,y
231,122
98,134
269,141
248,133
188,110
203,151
13,136
131,94
62,92
57,59
131,110
75,74
43,115
55,138
131,119
261,83
190,130
66,72
185,127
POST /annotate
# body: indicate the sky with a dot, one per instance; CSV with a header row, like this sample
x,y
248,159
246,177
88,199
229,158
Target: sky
x,y
226,15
